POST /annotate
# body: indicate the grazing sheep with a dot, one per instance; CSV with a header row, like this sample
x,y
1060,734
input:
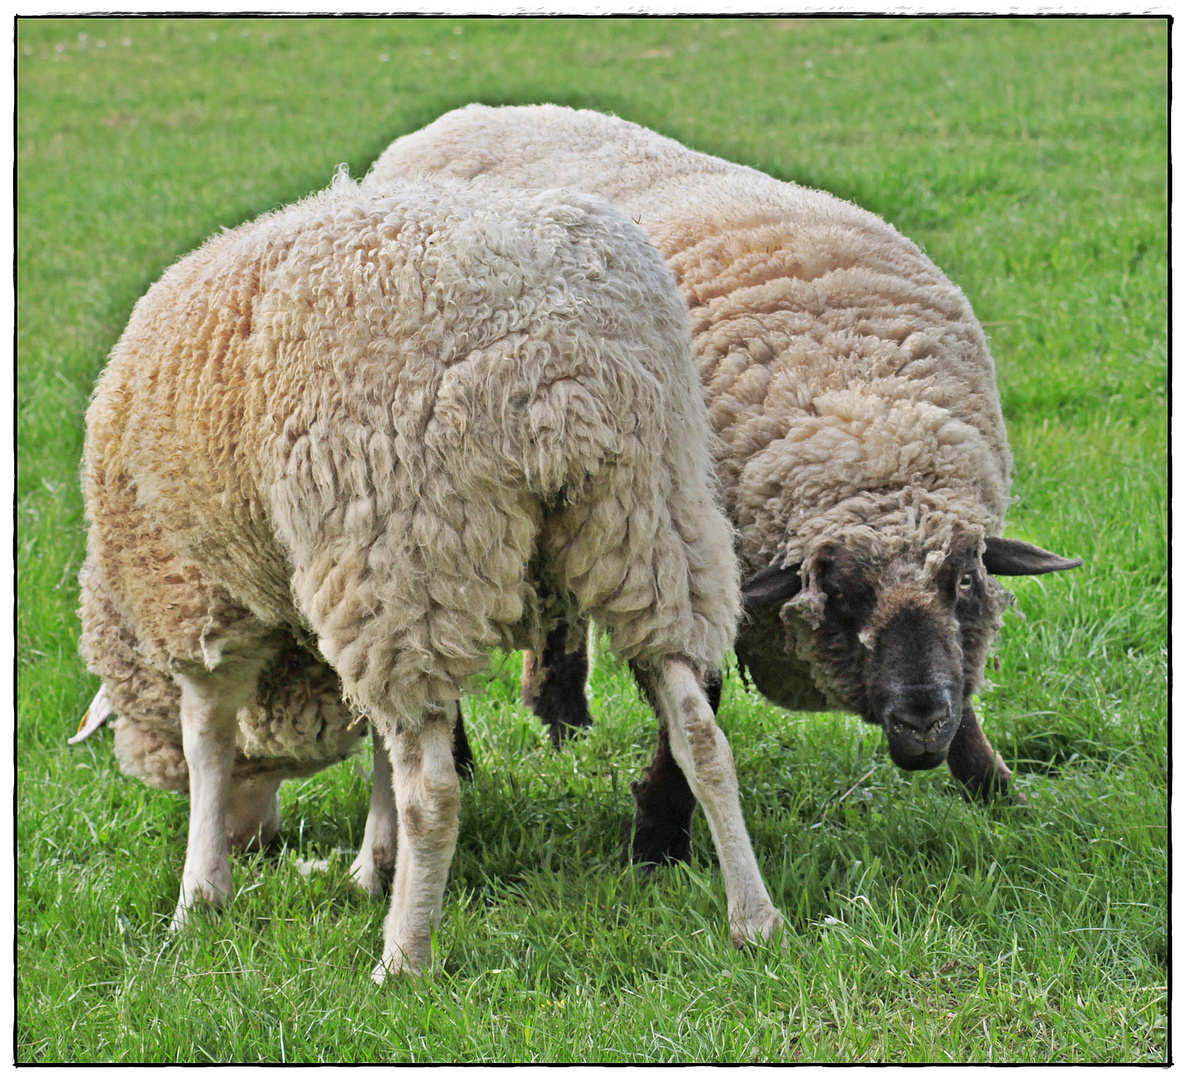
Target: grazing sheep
x,y
861,447
340,453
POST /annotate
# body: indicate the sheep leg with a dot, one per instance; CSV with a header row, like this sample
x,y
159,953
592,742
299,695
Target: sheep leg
x,y
372,868
973,762
463,756
253,813
209,705
663,808
663,802
703,753
554,684
427,797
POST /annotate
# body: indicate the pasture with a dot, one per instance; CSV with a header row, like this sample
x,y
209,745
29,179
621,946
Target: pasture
x,y
1029,159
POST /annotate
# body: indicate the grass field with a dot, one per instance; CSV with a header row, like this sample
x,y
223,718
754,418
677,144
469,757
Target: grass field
x,y
1029,158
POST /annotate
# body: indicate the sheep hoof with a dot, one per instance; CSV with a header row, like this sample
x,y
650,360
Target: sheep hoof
x,y
368,880
180,919
1004,787
1008,798
561,729
995,787
756,928
659,843
369,874
396,964
205,895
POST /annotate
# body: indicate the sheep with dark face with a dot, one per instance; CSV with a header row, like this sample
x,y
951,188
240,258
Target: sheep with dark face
x,y
861,447
899,640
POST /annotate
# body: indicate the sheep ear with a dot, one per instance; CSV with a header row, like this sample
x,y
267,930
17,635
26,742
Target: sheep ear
x,y
1011,558
769,586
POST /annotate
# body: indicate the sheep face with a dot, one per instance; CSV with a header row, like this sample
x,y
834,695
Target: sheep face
x,y
902,639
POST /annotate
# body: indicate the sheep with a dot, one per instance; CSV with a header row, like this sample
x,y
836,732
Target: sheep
x,y
341,452
861,447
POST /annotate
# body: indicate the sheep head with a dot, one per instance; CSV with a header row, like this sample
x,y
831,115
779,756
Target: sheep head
x,y
899,633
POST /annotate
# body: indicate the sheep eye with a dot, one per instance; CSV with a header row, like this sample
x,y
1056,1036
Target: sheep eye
x,y
966,582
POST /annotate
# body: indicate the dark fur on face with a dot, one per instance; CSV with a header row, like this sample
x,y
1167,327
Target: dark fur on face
x,y
901,643
904,657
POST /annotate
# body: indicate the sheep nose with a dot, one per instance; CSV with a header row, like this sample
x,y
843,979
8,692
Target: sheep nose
x,y
920,708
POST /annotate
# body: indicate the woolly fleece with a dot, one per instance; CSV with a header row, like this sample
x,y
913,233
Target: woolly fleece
x,y
361,435
847,379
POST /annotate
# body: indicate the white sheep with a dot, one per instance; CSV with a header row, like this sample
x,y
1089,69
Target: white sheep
x,y
861,447
341,452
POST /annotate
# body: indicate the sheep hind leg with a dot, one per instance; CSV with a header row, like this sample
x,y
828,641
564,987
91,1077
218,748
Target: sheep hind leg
x,y
375,863
554,684
427,798
702,752
210,702
373,866
981,771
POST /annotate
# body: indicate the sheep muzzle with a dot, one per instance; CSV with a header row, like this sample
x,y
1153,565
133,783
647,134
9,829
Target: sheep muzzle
x,y
916,686
919,723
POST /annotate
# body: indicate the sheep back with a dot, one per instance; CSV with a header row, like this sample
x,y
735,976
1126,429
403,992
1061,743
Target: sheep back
x,y
848,382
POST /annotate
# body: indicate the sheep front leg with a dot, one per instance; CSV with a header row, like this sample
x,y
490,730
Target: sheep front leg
x,y
554,683
209,704
663,802
663,809
463,755
371,870
703,753
427,798
976,765
253,813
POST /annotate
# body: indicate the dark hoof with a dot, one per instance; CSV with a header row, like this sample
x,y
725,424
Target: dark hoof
x,y
659,843
993,792
649,850
560,731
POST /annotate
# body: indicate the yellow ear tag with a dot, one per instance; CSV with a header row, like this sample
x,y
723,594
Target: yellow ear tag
x,y
94,718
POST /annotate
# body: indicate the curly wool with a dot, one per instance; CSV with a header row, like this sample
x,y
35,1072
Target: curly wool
x,y
297,725
367,431
846,377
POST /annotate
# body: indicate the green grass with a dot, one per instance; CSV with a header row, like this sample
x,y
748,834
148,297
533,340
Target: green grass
x,y
1029,158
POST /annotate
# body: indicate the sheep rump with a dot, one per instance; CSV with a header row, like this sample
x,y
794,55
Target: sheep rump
x,y
340,453
385,426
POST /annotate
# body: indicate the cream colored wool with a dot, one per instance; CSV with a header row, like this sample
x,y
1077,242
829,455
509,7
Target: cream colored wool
x,y
298,724
847,379
353,438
